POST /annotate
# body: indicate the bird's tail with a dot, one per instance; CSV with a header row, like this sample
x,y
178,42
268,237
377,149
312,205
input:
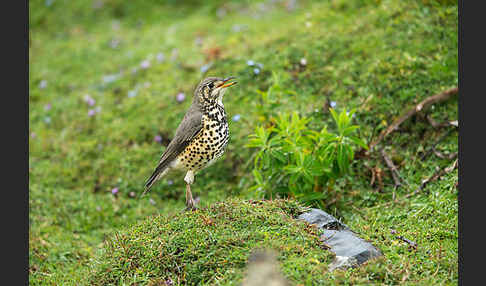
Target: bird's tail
x,y
153,178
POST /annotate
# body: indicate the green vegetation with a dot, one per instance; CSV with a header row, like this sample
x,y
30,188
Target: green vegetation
x,y
212,245
104,78
298,162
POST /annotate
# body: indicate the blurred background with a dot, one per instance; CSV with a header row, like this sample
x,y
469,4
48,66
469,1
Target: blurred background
x,y
110,80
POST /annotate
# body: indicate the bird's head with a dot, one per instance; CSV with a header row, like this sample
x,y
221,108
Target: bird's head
x,y
211,90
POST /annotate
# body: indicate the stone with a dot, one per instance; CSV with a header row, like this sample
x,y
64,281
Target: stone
x,y
350,249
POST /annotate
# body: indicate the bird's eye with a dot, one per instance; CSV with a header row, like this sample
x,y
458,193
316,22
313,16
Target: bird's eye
x,y
211,85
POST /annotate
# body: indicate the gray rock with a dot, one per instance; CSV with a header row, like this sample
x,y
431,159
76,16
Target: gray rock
x,y
350,249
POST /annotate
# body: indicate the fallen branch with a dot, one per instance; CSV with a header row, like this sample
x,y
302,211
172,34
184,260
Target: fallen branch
x,y
432,148
443,156
437,175
419,107
411,243
408,241
393,169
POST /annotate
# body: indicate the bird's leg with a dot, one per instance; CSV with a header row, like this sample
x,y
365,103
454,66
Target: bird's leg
x,y
190,203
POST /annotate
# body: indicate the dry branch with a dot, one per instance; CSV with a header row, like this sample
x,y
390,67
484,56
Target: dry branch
x,y
419,107
437,175
393,169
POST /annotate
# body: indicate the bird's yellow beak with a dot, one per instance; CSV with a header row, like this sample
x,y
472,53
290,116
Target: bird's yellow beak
x,y
226,82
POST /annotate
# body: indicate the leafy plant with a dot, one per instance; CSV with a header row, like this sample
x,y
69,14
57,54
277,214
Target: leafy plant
x,y
293,160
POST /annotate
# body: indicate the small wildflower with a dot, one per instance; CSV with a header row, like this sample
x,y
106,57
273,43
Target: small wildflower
x,y
206,67
174,54
33,135
250,62
47,107
145,64
91,112
152,201
47,120
170,182
98,208
114,191
89,100
236,117
158,138
180,97
110,78
131,194
114,43
160,57
333,104
256,70
303,62
198,41
115,25
43,84
308,24
132,93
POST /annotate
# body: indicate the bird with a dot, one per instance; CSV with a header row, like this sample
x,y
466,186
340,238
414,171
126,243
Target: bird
x,y
200,138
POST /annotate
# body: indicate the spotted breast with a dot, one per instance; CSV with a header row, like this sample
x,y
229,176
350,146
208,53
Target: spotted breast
x,y
209,144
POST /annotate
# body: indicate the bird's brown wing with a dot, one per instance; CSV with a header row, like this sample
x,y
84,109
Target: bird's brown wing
x,y
189,128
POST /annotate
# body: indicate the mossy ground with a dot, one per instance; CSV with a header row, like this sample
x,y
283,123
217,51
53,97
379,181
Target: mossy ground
x,y
133,57
212,245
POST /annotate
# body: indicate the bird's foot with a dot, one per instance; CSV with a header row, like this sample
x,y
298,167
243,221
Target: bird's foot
x,y
191,205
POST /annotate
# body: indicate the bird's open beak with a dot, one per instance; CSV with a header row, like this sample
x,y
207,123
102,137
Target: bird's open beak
x,y
226,82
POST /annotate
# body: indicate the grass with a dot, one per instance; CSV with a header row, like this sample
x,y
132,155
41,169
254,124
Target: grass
x,y
379,57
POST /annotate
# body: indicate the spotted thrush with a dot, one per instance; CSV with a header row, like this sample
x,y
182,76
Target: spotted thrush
x,y
201,137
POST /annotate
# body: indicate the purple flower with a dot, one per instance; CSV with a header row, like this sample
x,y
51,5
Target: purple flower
x,y
158,138
170,182
256,70
89,100
160,57
43,84
180,97
236,117
145,64
114,191
91,112
47,107
333,104
152,201
33,135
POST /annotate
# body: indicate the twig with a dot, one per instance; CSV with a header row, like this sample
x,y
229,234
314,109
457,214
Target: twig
x,y
419,107
393,169
437,175
411,243
443,156
408,241
435,144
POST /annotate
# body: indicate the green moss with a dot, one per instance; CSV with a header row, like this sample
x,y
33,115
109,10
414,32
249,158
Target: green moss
x,y
212,245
